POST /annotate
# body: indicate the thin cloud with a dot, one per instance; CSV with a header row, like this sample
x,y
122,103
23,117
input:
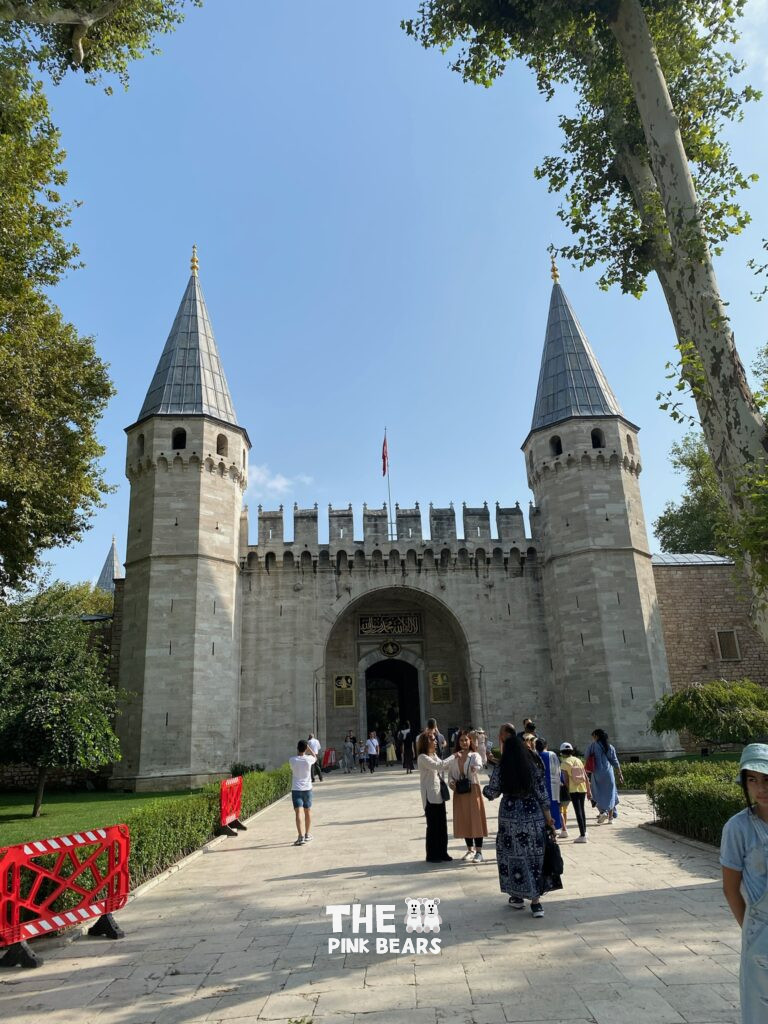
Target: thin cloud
x,y
752,45
263,483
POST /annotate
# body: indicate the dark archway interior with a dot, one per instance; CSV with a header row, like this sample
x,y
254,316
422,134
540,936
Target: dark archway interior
x,y
392,694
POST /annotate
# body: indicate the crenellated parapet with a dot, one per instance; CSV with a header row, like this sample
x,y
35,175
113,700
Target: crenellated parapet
x,y
395,545
184,462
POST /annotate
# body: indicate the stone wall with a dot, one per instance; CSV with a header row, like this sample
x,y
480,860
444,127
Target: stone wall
x,y
696,602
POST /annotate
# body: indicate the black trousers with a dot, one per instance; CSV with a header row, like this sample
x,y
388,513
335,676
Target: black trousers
x,y
437,832
577,799
316,770
373,760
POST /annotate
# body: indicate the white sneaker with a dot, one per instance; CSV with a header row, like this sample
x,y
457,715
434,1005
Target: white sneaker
x,y
469,855
563,833
308,837
581,839
601,819
299,841
478,858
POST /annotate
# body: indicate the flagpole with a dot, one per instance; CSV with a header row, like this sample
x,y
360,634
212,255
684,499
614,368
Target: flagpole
x,y
390,530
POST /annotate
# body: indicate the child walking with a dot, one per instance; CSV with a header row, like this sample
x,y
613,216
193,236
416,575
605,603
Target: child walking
x,y
743,853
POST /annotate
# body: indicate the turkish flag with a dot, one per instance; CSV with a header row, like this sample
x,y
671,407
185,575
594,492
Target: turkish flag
x,y
384,457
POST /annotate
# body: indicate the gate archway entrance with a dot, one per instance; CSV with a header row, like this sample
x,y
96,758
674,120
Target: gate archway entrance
x,y
396,649
391,694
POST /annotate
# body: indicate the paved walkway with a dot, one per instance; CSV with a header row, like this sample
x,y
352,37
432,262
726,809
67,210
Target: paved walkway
x,y
639,935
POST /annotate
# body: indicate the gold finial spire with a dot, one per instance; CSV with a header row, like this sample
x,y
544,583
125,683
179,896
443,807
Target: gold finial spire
x,y
193,263
555,271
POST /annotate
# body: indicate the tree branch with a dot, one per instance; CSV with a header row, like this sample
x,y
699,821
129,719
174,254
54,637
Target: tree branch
x,y
60,16
81,20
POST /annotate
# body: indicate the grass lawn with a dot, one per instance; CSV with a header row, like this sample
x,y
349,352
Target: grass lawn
x,y
65,813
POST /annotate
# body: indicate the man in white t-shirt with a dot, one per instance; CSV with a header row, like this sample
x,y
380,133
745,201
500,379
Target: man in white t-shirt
x,y
314,746
372,750
301,790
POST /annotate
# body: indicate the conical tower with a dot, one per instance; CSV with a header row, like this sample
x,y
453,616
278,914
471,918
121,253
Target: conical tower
x,y
111,570
187,460
583,463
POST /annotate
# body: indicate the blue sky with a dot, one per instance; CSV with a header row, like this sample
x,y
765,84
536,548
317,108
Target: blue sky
x,y
372,249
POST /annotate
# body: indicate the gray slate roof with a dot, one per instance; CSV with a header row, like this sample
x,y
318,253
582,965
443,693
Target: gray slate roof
x,y
694,558
111,570
571,382
189,378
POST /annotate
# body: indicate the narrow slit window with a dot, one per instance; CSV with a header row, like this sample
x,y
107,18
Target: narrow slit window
x,y
728,645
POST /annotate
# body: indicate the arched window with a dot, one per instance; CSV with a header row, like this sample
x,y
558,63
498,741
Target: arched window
x,y
221,444
178,440
140,444
598,438
630,446
555,445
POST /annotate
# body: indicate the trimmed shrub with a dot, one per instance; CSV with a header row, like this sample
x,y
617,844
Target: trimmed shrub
x,y
163,833
643,774
696,805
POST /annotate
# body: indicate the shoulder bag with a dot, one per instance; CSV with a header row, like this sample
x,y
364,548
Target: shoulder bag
x,y
464,783
445,793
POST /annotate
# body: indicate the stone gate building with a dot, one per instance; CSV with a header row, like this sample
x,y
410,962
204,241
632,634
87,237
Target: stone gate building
x,y
233,650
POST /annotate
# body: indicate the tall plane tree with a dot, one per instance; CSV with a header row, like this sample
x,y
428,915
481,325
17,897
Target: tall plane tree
x,y
53,386
649,184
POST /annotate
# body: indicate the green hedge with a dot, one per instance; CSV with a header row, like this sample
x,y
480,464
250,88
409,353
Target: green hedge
x,y
644,774
165,832
696,804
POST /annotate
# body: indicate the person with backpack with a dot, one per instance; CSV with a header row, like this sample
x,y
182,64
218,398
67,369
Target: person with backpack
x,y
579,790
605,763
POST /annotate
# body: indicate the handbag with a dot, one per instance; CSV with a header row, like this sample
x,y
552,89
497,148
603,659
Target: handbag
x,y
445,793
589,764
552,868
464,784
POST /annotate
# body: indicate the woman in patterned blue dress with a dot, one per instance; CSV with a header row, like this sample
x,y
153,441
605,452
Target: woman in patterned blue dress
x,y
524,821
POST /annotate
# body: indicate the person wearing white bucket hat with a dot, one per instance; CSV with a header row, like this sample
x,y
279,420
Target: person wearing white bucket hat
x,y
744,859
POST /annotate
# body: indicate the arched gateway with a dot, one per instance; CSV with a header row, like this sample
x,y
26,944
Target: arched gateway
x,y
397,654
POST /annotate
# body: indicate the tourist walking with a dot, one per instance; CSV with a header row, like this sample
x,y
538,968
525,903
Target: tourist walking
x,y
301,790
372,751
406,740
551,763
433,796
525,822
314,746
743,854
469,821
349,753
603,784
362,756
577,788
389,749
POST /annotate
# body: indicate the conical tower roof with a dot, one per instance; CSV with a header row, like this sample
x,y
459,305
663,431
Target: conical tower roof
x,y
112,570
189,379
571,382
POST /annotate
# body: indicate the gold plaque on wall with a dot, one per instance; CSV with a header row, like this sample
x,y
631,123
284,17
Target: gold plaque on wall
x,y
343,692
439,688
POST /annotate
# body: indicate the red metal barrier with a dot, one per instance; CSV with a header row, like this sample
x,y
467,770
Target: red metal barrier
x,y
329,759
90,866
231,796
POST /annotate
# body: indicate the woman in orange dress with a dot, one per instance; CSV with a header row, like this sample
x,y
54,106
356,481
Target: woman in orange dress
x,y
469,821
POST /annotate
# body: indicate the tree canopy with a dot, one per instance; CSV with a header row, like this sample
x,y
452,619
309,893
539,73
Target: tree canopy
x,y
56,703
53,385
716,713
648,181
694,523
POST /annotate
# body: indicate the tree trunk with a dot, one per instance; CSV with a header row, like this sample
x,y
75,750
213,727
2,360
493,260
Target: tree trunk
x,y
42,775
734,430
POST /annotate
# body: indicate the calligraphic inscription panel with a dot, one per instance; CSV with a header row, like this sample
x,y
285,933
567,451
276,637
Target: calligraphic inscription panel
x,y
440,688
343,692
404,624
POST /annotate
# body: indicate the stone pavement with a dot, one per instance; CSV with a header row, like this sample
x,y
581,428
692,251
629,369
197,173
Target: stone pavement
x,y
639,934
